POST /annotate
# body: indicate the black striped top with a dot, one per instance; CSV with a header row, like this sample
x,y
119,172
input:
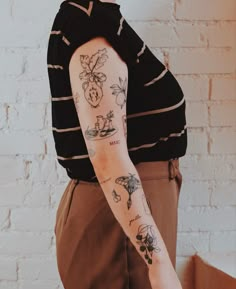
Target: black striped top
x,y
156,121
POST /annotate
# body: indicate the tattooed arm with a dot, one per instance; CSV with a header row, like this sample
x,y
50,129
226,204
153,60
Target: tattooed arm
x,y
99,80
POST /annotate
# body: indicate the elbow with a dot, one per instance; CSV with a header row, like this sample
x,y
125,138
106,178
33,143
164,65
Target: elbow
x,y
106,161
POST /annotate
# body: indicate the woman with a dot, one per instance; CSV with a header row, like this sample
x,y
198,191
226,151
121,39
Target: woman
x,y
118,121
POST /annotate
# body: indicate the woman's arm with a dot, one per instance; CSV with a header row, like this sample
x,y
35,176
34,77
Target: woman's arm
x,y
99,80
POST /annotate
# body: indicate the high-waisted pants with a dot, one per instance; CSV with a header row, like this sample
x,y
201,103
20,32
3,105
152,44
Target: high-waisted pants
x,y
92,249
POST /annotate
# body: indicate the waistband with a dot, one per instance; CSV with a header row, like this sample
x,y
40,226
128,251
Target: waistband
x,y
149,170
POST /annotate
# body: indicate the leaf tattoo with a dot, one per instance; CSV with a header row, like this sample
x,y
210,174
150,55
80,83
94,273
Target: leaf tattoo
x,y
120,91
93,80
147,241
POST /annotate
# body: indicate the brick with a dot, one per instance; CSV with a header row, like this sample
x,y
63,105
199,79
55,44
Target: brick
x,y
194,194
4,284
38,194
194,88
208,167
224,194
38,268
3,117
223,141
4,218
38,284
57,191
223,88
50,144
220,34
13,67
11,169
197,142
152,10
206,219
196,114
26,116
198,10
167,35
21,34
21,143
12,194
32,219
35,8
43,170
222,241
190,243
27,243
36,64
202,61
223,113
8,91
31,91
8,268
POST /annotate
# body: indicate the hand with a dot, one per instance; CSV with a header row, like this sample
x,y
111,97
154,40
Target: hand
x,y
163,276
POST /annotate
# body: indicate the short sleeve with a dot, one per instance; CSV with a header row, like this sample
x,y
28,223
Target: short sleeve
x,y
78,28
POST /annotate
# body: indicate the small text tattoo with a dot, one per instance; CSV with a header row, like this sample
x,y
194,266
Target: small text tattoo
x,y
114,142
105,181
120,91
116,197
131,184
147,241
103,128
136,218
93,84
146,205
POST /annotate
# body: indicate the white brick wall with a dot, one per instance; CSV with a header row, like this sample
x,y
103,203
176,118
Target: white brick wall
x,y
197,42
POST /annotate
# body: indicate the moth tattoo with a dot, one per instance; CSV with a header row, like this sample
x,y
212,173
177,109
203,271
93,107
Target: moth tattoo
x,y
103,128
147,241
93,84
120,91
131,184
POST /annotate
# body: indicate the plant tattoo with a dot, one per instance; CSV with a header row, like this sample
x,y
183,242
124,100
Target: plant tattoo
x,y
103,128
146,205
131,184
120,91
147,241
93,80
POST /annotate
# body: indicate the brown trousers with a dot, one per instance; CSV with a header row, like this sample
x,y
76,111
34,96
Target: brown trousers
x,y
92,249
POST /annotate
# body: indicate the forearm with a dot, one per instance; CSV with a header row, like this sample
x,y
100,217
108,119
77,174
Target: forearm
x,y
123,190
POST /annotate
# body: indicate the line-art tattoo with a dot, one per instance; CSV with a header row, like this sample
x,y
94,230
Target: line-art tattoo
x,y
116,197
120,91
147,241
103,128
124,119
131,184
136,218
114,142
105,181
146,205
93,80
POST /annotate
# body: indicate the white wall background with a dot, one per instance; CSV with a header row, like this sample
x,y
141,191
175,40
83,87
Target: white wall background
x,y
196,39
